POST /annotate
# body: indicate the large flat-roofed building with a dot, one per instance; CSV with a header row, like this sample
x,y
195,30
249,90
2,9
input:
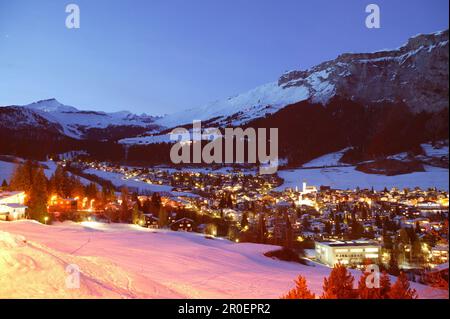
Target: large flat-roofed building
x,y
12,205
348,253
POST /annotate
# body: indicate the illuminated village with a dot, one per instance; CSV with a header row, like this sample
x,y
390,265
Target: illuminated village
x,y
400,230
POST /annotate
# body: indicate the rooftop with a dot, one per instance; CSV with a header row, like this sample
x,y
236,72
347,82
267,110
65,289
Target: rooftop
x,y
8,194
351,243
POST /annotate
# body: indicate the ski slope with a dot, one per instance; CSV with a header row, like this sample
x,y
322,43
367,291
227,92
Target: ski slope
x,y
350,178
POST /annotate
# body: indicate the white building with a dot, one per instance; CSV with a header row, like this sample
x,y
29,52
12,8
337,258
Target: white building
x,y
440,254
351,253
12,205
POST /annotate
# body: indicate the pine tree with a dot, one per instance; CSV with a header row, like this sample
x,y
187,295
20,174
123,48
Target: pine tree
x,y
365,292
288,233
91,191
382,292
156,203
385,285
328,228
261,237
22,177
357,229
162,217
136,214
337,228
393,263
125,216
147,206
339,285
135,199
108,193
4,184
244,220
401,289
37,204
301,290
437,280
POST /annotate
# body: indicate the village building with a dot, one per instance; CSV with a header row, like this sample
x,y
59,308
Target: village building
x,y
62,205
12,206
348,253
183,224
440,253
151,221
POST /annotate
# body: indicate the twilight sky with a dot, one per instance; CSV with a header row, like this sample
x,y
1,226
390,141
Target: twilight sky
x,y
161,56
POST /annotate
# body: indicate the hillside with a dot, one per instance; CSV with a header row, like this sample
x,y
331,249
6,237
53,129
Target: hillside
x,y
133,262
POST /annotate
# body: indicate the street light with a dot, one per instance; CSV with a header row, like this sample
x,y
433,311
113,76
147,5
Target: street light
x,y
46,219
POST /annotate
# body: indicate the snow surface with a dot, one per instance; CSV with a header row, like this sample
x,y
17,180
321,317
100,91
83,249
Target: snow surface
x,y
119,180
433,151
350,178
332,159
7,169
151,139
251,103
126,261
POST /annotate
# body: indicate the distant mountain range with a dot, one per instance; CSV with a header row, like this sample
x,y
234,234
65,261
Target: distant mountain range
x,y
374,104
68,120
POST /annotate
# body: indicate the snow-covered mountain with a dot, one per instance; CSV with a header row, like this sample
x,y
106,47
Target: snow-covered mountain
x,y
71,121
415,74
357,101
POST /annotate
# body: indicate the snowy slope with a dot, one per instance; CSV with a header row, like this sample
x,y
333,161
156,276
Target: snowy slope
x,y
7,169
436,151
119,180
125,261
267,98
332,159
31,270
350,178
388,75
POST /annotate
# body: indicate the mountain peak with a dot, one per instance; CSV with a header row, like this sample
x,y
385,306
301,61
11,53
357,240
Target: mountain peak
x,y
51,105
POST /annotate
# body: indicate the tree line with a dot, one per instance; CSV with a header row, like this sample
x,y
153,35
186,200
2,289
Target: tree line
x,y
340,285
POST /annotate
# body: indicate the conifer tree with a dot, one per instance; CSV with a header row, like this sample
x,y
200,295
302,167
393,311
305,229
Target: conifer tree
x,y
136,214
244,220
339,285
108,193
37,204
393,262
385,285
261,237
365,292
301,290
22,177
162,217
125,215
381,292
288,233
401,289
